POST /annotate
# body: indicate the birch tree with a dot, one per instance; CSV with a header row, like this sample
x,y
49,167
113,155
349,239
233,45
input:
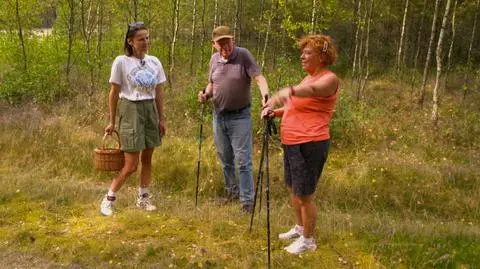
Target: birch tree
x,y
469,62
366,54
70,34
359,5
429,53
204,33
270,16
314,9
192,35
439,63
238,21
419,35
402,34
259,33
88,24
18,20
450,48
174,40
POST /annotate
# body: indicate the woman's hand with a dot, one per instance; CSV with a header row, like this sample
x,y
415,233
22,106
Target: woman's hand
x,y
161,127
110,128
267,113
279,98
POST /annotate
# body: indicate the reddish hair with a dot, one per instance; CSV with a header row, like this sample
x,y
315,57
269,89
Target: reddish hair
x,y
323,45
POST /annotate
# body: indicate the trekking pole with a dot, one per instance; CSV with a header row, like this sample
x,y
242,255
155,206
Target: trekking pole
x,y
259,183
267,186
271,128
199,149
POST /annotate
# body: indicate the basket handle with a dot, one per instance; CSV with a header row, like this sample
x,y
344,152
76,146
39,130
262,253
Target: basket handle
x,y
107,134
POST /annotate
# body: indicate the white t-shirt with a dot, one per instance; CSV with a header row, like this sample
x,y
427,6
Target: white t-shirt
x,y
137,77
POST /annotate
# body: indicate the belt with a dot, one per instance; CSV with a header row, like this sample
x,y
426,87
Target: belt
x,y
137,101
233,111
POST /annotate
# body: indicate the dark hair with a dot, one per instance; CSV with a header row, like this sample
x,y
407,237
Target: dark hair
x,y
131,31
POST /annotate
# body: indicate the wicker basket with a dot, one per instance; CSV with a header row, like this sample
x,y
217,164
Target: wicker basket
x,y
109,159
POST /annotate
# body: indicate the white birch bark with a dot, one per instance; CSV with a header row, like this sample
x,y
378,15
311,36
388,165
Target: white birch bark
x,y
204,34
366,55
267,34
419,35
469,62
402,34
314,9
192,35
359,5
439,63
452,40
429,53
174,39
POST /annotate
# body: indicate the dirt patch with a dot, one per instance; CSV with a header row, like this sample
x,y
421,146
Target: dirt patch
x,y
19,260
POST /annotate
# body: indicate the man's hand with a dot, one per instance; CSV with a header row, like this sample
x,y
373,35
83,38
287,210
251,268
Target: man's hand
x,y
202,96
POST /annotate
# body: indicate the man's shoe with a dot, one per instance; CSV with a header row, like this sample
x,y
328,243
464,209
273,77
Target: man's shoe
x,y
106,206
293,233
301,245
226,198
144,202
246,209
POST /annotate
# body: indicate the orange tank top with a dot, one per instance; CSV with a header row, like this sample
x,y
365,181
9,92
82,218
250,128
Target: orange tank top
x,y
307,119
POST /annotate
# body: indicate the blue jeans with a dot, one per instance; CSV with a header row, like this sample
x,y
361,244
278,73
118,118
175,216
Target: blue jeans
x,y
233,139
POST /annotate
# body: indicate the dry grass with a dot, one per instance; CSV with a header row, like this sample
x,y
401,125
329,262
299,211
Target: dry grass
x,y
396,193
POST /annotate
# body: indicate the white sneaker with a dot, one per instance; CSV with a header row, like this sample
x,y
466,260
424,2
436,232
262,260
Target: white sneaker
x,y
145,203
295,232
106,207
300,245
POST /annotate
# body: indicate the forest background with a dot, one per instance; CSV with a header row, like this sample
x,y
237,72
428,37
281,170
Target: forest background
x,y
401,188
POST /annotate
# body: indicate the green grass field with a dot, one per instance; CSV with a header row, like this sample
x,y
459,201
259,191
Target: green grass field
x,y
396,192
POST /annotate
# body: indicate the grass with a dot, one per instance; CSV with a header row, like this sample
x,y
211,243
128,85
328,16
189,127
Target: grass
x,y
395,193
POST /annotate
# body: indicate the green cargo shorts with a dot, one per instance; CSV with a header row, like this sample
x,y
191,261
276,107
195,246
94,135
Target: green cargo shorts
x,y
138,125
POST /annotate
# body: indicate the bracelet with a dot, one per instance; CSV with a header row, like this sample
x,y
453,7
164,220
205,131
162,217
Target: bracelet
x,y
292,91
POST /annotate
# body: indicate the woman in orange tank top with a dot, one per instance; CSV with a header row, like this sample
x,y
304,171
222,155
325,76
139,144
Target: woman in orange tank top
x,y
304,131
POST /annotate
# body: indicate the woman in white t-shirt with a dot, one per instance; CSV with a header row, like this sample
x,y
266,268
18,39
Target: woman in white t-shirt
x,y
136,80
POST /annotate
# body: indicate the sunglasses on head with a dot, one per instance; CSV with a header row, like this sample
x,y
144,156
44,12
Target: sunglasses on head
x,y
136,25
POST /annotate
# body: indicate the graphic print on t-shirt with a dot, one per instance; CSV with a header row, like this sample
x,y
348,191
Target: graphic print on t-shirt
x,y
142,79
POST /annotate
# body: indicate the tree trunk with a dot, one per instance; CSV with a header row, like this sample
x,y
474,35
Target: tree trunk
x,y
314,9
215,11
174,40
469,62
429,53
402,34
450,50
419,35
267,34
101,8
238,21
135,10
360,55
20,34
439,64
204,34
358,22
192,44
88,23
259,34
366,60
71,21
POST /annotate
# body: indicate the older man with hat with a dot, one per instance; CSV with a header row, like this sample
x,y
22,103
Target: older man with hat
x,y
232,70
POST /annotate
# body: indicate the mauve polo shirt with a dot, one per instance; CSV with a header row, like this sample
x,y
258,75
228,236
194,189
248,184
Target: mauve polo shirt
x,y
232,79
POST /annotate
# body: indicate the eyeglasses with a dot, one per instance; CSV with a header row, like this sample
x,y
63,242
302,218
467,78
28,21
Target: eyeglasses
x,y
136,25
